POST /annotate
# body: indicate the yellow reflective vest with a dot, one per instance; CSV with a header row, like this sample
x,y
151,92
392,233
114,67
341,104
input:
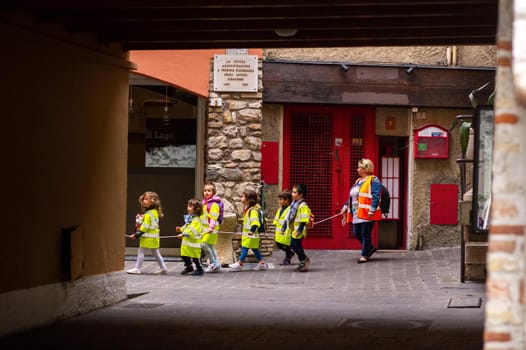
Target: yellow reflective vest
x,y
150,227
279,220
249,239
210,238
302,215
191,243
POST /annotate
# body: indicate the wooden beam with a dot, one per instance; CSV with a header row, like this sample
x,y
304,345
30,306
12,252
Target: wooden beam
x,y
371,85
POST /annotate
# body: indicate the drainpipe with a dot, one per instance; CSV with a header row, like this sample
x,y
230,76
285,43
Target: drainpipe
x,y
411,239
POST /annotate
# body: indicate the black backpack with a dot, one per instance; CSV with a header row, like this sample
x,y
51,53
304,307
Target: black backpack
x,y
261,217
385,200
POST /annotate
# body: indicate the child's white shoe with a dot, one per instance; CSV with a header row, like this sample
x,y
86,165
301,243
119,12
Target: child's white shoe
x,y
134,271
236,266
261,267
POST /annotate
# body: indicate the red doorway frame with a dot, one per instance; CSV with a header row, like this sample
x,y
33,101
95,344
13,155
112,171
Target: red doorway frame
x,y
342,116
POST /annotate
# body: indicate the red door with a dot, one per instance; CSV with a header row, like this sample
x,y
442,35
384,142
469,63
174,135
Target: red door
x,y
321,148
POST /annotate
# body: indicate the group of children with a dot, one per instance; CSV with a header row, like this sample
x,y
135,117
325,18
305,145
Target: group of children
x,y
202,223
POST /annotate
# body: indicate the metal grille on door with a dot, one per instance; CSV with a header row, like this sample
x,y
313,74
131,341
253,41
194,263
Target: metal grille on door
x,y
311,164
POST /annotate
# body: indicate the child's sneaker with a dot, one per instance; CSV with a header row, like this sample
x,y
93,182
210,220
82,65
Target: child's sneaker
x,y
216,267
307,263
198,272
301,267
261,267
285,262
209,268
187,270
304,266
134,271
236,266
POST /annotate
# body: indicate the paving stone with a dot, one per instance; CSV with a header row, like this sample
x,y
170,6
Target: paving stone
x,y
398,300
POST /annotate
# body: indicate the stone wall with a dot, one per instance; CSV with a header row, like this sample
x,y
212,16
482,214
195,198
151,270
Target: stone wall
x,y
233,152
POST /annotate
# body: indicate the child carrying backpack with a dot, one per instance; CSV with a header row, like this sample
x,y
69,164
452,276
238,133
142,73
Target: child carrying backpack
x,y
283,237
211,218
250,233
298,219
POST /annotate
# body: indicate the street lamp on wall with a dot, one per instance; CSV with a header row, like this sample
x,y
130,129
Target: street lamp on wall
x,y
166,117
131,105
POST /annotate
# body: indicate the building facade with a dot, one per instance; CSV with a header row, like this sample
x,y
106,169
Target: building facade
x,y
78,115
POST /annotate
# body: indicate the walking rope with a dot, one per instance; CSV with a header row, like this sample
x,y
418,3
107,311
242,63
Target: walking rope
x,y
228,232
329,218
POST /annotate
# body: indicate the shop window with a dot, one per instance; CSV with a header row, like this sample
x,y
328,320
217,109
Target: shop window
x,y
484,132
170,143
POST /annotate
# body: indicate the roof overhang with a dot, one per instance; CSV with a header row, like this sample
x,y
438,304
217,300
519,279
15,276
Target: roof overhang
x,y
208,24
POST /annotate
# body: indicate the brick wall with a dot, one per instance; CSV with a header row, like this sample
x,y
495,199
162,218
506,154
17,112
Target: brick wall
x,y
504,326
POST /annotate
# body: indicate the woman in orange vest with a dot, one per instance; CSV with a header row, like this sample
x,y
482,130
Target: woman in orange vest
x,y
363,204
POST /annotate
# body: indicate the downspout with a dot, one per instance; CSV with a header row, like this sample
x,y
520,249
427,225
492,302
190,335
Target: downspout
x,y
411,240
200,162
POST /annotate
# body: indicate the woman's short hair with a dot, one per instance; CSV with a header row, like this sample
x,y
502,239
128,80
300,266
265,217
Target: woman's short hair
x,y
367,165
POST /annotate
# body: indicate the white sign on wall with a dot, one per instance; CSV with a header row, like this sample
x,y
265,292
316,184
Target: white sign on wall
x,y
236,73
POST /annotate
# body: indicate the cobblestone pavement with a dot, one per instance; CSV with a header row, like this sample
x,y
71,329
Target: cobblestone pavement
x,y
398,300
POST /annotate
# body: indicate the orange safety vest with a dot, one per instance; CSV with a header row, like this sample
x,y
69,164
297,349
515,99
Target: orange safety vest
x,y
365,199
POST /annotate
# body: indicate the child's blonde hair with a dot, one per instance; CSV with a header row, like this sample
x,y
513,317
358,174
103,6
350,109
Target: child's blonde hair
x,y
153,200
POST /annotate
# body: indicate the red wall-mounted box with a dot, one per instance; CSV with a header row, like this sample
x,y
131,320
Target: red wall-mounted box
x,y
443,206
431,141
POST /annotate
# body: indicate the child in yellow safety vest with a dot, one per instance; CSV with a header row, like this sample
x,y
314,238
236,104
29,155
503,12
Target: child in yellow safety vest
x,y
191,233
283,237
211,218
297,220
148,231
250,233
